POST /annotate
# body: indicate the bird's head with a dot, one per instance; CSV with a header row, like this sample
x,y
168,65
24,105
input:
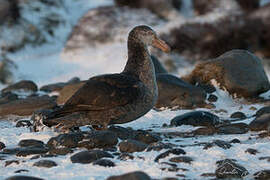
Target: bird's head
x,y
148,36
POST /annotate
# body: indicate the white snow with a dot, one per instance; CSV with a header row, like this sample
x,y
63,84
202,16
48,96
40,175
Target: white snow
x,y
46,64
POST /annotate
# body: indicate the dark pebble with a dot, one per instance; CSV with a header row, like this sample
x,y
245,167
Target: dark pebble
x,y
23,178
45,163
86,157
235,141
262,175
2,145
131,146
104,162
181,159
252,151
31,142
137,175
212,98
23,123
238,115
177,151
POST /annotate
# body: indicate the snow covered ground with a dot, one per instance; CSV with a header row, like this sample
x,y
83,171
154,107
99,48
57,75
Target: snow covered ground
x,y
46,64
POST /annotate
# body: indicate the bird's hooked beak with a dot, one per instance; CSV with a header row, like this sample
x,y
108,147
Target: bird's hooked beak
x,y
160,44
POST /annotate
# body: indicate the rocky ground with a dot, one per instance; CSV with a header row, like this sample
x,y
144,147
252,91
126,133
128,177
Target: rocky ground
x,y
211,123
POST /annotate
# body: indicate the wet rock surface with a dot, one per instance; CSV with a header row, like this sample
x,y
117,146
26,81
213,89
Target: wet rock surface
x,y
2,145
86,157
26,151
181,159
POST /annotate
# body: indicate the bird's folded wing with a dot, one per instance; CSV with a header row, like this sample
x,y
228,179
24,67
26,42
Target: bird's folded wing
x,y
105,92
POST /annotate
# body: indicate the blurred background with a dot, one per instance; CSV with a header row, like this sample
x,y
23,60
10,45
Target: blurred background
x,y
49,41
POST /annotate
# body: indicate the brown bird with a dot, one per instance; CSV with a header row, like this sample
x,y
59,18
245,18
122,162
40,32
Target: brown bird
x,y
116,98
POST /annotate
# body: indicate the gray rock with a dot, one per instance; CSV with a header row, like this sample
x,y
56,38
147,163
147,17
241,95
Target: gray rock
x,y
25,85
137,175
99,139
238,71
104,162
45,163
177,151
86,157
23,123
131,146
238,115
69,140
2,145
23,178
181,159
229,169
31,142
260,123
236,128
263,110
174,92
25,151
196,118
262,175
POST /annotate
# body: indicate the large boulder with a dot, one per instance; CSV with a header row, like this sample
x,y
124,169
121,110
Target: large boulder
x,y
174,92
105,24
163,8
238,71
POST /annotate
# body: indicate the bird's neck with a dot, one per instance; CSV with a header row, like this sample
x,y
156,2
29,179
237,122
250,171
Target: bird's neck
x,y
139,64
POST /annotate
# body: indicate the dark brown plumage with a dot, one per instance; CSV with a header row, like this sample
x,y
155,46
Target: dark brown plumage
x,y
116,98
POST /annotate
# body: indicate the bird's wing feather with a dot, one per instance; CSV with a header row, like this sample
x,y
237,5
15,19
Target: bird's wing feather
x,y
104,92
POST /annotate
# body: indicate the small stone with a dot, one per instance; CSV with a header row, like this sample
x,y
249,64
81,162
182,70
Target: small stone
x,y
122,133
21,86
158,146
23,123
235,141
31,142
229,169
219,143
262,111
207,87
236,128
2,145
7,163
262,175
177,151
104,162
86,157
125,156
25,151
131,146
60,151
181,159
238,115
212,98
137,175
265,158
99,139
196,118
21,170
146,137
45,163
23,178
69,140
260,123
252,151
